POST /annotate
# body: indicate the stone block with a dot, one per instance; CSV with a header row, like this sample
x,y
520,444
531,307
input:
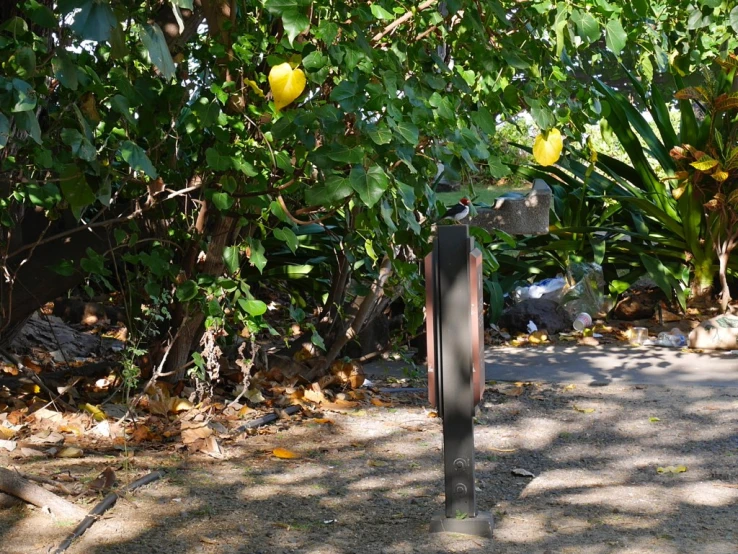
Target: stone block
x,y
525,215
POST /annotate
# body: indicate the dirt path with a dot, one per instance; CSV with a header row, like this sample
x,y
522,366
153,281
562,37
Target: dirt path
x,y
370,481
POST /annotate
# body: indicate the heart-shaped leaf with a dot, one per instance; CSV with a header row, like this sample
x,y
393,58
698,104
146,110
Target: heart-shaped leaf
x,y
369,183
286,83
547,147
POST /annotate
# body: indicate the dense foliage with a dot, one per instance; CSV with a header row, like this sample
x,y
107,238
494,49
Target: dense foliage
x,y
158,122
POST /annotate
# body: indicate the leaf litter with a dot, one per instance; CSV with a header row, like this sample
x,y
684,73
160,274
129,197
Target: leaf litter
x,y
172,422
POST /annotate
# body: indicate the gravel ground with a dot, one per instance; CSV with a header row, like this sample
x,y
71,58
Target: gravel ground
x,y
370,481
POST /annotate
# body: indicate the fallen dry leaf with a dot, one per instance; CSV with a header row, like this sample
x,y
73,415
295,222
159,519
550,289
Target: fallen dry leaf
x,y
44,414
6,433
340,405
142,433
254,396
357,394
245,410
285,454
97,413
376,463
70,452
212,448
73,428
104,481
192,432
9,369
538,337
46,437
380,403
31,453
314,396
671,469
15,417
33,366
177,405
583,410
323,421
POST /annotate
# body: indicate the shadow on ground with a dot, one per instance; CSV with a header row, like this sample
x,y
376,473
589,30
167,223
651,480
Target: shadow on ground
x,y
371,481
612,364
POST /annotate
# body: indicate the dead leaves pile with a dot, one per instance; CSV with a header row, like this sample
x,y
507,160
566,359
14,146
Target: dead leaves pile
x,y
163,419
600,333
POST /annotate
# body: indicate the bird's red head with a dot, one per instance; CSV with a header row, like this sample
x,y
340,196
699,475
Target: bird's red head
x,y
464,201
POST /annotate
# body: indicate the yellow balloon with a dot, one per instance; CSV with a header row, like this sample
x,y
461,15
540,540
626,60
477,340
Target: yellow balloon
x,y
286,83
547,150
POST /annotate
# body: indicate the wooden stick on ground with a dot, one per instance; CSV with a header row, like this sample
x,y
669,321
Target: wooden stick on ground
x,y
11,483
8,501
105,504
263,420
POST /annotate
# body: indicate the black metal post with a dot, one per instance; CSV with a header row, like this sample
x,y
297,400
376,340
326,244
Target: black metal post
x,y
453,378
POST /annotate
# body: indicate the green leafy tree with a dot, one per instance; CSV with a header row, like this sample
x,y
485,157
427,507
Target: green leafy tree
x,y
150,146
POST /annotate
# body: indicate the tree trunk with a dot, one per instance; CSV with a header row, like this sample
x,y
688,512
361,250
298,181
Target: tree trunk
x,y
368,304
220,16
189,331
723,257
702,283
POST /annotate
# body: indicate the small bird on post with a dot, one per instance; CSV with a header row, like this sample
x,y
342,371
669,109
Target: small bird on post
x,y
458,211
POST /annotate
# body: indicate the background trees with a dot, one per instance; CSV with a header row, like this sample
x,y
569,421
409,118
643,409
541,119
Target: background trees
x,y
142,149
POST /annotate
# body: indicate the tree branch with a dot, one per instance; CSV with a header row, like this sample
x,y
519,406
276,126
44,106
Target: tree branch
x,y
403,19
13,484
385,271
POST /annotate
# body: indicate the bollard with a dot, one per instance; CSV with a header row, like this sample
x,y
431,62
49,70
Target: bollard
x,y
454,322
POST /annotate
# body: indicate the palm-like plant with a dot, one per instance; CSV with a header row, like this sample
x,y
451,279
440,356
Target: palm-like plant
x,y
709,173
682,203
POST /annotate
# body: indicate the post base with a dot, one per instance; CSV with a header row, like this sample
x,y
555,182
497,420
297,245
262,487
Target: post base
x,y
479,526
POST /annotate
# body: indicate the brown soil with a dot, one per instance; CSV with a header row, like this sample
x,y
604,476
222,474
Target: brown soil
x,y
371,481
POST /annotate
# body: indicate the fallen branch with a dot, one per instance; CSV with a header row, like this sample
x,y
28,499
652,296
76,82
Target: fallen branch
x,y
104,505
8,501
44,481
263,420
11,483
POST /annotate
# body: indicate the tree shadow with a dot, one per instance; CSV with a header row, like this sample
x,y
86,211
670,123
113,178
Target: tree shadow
x,y
612,364
371,483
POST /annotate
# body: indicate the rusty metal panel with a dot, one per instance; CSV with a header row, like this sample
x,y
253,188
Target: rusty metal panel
x,y
476,281
430,329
